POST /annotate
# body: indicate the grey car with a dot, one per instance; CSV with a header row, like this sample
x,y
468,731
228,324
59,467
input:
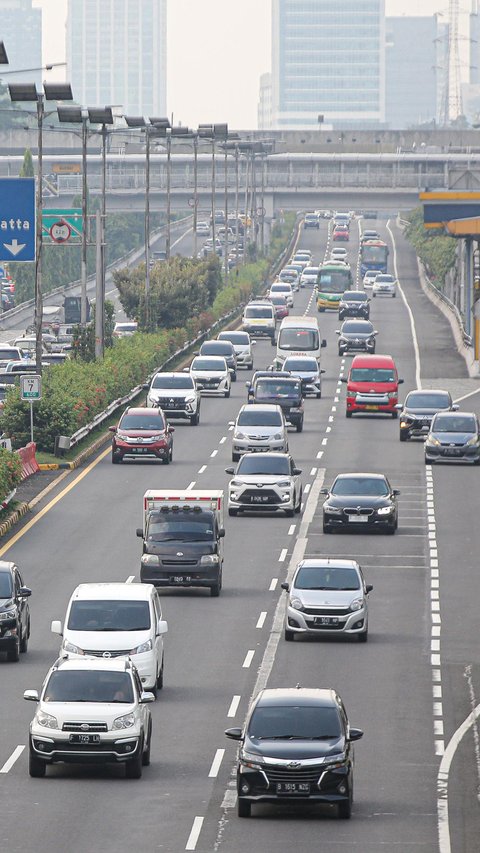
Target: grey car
x,y
356,336
327,596
259,428
417,411
453,437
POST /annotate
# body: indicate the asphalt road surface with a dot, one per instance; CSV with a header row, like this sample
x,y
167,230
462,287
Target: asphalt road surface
x,y
411,688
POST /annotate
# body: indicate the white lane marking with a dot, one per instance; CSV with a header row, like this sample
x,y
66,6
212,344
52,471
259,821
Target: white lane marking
x,y
283,554
13,758
307,488
217,760
418,382
230,428
336,400
202,469
464,397
261,619
334,409
223,440
213,454
291,529
319,454
130,579
313,472
234,706
273,585
330,419
328,429
324,441
191,485
248,658
195,833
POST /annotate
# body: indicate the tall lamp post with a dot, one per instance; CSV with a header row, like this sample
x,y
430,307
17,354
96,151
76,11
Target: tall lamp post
x,y
27,92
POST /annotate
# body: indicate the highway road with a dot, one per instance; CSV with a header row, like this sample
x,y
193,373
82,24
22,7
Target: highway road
x,y
410,688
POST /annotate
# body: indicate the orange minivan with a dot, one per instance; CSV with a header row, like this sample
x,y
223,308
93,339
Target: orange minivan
x,y
372,385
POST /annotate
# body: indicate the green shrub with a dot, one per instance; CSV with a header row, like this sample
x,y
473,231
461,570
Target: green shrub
x,y
434,248
10,472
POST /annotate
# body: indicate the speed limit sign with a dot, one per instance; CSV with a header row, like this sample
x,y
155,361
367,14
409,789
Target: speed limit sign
x,y
60,232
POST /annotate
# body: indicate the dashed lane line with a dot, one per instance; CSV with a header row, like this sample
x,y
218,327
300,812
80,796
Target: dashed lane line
x,y
261,619
13,758
216,763
248,659
195,833
234,706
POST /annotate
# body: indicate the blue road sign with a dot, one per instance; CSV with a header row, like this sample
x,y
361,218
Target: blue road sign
x,y
17,219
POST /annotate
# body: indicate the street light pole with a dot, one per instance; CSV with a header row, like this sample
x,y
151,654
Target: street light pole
x,y
213,192
83,292
236,203
147,227
226,213
195,194
169,183
39,241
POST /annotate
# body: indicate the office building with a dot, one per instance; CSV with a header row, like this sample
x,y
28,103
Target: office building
x,y
265,102
410,71
328,60
116,54
21,32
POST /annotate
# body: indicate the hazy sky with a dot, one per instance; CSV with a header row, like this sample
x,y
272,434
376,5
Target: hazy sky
x,y
217,50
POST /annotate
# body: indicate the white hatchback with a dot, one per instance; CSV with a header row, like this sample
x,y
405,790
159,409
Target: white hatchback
x,y
384,285
369,278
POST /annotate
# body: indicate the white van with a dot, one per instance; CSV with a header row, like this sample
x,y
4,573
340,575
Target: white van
x,y
299,336
117,620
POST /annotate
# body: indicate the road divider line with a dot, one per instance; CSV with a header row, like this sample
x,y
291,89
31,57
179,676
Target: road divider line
x,y
234,706
213,454
283,554
307,488
261,619
324,441
313,472
202,469
223,440
418,381
248,659
191,485
13,758
130,579
319,454
195,833
291,529
217,760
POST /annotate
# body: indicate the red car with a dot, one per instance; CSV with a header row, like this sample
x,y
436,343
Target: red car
x,y
144,433
372,385
341,232
281,307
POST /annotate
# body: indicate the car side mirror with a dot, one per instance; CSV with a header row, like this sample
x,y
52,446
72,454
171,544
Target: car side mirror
x,y
139,532
221,532
112,428
343,379
375,332
355,734
324,491
297,470
285,586
186,370
247,385
230,470
253,343
398,407
337,331
146,697
146,386
31,695
324,343
56,627
401,381
368,587
455,407
234,734
162,627
25,591
396,492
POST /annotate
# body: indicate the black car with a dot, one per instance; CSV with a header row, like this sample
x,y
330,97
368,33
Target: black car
x,y
14,611
418,410
296,746
453,437
224,349
284,391
354,303
356,336
360,502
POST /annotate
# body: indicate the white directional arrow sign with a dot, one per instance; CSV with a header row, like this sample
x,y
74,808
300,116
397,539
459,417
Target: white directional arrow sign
x,y
14,247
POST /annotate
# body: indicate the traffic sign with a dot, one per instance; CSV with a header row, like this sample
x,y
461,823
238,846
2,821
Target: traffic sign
x,y
60,231
71,216
30,386
17,219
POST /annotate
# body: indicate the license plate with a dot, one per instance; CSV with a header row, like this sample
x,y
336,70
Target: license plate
x,y
84,738
292,788
181,579
452,451
326,620
358,517
372,408
259,499
139,449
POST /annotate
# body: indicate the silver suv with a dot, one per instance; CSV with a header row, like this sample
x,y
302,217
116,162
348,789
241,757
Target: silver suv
x,y
327,596
260,427
91,710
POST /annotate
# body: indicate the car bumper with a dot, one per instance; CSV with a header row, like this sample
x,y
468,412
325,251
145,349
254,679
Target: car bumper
x,y
375,522
327,304
266,502
180,576
384,292
351,346
245,361
372,408
345,623
8,638
326,786
110,749
259,447
141,451
447,454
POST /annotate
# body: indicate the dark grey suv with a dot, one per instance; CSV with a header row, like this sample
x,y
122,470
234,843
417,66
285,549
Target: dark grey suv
x,y
14,611
296,746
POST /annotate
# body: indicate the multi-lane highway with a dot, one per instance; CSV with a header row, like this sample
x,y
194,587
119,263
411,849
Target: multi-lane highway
x,y
410,688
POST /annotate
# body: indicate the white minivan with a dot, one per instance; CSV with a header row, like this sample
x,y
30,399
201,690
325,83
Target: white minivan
x,y
117,620
299,336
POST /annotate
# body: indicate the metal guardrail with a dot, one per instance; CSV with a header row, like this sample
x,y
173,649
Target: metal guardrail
x,y
467,339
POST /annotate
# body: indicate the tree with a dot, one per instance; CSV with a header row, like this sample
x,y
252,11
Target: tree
x,y
27,166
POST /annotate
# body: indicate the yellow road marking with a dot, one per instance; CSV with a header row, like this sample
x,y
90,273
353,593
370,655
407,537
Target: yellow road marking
x,y
53,502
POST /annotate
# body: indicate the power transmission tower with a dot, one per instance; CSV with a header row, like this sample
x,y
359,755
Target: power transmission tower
x,y
455,104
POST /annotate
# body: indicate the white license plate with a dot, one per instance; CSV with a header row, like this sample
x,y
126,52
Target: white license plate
x,y
358,517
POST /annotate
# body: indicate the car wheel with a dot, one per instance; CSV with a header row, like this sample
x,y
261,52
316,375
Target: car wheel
x,y
232,511
194,420
244,808
393,295
13,655
373,295
273,342
116,459
166,459
134,767
320,310
289,635
160,675
363,637
227,393
348,414
394,415
327,528
391,530
373,351
318,395
345,809
24,639
146,752
428,461
36,767
300,426
216,588
289,513
299,505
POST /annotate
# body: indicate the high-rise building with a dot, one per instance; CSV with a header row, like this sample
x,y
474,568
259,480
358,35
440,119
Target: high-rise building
x,y
265,102
328,60
411,70
21,32
116,54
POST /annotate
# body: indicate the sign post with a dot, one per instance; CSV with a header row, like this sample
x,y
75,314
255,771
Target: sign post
x,y
31,390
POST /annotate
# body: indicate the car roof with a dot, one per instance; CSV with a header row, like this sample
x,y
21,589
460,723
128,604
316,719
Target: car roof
x,y
457,415
170,374
6,566
429,391
110,591
372,361
272,696
358,322
141,410
92,663
357,474
334,562
348,293
268,454
261,407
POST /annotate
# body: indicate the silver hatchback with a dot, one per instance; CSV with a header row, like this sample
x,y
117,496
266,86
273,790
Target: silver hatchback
x,y
259,427
327,596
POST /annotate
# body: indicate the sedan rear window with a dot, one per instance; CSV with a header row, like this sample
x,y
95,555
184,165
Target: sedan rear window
x,y
302,722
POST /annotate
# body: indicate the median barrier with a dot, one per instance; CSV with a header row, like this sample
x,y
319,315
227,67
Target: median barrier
x,y
29,460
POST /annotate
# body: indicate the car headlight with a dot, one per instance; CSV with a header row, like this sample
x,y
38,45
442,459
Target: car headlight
x,y
160,437
392,394
284,484
278,436
296,409
404,424
251,760
72,648
357,604
471,441
150,560
296,603
8,614
432,440
209,560
333,510
124,722
143,647
334,761
240,436
385,510
236,484
190,399
46,720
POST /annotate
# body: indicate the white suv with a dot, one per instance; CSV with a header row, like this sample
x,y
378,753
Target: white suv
x,y
176,394
91,710
265,481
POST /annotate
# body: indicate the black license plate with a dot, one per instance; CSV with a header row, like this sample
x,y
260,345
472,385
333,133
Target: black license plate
x,y
259,499
326,620
452,451
181,578
301,789
139,449
81,738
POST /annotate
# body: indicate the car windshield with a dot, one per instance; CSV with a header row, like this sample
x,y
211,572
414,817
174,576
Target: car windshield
x,y
368,486
278,300
310,271
327,577
259,313
5,585
264,465
384,279
354,296
89,686
212,364
417,400
372,374
267,388
187,527
10,354
296,722
300,339
281,288
302,365
151,421
457,423
216,348
105,615
353,328
236,337
255,417
161,381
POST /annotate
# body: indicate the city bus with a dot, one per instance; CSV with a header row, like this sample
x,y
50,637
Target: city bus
x,y
373,256
332,281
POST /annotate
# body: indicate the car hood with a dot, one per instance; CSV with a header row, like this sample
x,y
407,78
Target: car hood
x,y
263,479
171,393
139,433
294,750
107,640
326,597
305,374
6,603
350,336
258,430
453,437
202,374
358,500
423,411
181,549
88,711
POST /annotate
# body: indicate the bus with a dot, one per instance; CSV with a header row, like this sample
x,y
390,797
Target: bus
x,y
373,256
332,281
